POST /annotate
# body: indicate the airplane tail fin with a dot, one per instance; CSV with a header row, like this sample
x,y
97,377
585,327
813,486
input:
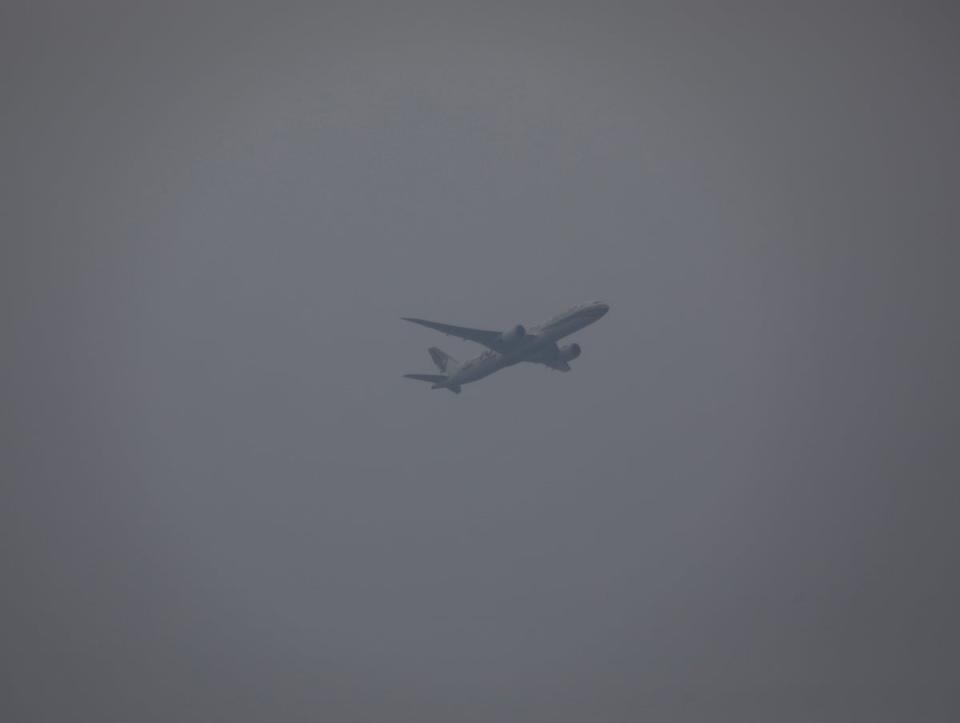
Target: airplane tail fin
x,y
444,361
437,380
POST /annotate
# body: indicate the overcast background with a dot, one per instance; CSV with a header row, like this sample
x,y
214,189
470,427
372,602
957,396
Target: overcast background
x,y
221,501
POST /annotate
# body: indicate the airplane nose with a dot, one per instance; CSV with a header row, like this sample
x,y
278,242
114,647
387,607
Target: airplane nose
x,y
601,308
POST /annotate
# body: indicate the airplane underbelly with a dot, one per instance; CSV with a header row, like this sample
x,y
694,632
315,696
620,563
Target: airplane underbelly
x,y
492,366
569,327
534,349
479,371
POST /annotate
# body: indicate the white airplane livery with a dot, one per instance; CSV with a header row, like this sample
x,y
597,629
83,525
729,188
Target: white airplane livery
x,y
506,348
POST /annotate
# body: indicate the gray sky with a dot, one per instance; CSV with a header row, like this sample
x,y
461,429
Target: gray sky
x,y
222,501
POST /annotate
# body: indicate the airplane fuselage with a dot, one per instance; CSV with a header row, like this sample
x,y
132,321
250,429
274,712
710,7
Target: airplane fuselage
x,y
539,344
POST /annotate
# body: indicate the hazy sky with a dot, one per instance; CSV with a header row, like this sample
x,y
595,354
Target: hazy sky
x,y
221,500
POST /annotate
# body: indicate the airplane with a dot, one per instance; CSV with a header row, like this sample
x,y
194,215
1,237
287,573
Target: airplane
x,y
506,348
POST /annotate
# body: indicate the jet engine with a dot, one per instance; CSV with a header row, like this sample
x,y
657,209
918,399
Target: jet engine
x,y
569,352
513,335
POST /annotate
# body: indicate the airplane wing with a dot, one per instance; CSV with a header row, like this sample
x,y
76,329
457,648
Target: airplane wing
x,y
550,357
490,339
